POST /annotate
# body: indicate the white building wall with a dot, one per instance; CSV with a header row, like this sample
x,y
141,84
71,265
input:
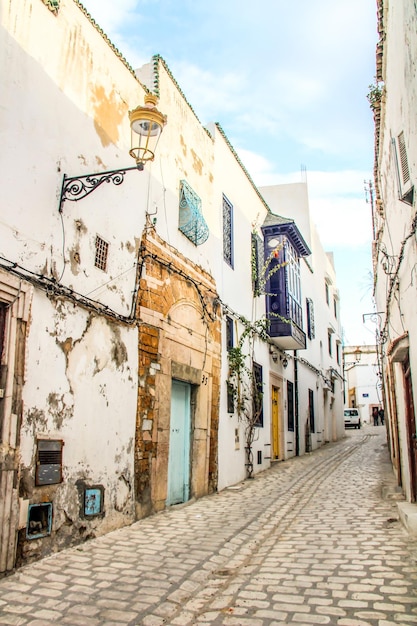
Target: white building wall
x,y
80,379
363,382
395,251
292,201
236,293
64,110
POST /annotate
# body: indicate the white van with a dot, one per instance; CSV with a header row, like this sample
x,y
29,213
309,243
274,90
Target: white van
x,y
352,418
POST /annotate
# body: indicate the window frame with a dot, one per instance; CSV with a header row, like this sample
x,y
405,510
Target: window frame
x,y
311,327
257,382
228,232
311,415
290,407
405,185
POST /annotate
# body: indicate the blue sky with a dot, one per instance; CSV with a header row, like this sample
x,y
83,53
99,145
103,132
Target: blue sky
x,y
287,81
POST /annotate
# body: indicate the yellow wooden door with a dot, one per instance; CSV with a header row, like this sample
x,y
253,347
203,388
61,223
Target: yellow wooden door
x,y
275,421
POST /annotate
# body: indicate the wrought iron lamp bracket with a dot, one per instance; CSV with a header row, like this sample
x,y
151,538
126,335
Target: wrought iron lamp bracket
x,y
78,187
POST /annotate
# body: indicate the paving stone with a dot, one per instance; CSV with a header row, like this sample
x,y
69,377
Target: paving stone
x,y
307,542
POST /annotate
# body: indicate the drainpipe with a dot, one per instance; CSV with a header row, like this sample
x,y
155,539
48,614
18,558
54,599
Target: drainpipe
x,y
297,425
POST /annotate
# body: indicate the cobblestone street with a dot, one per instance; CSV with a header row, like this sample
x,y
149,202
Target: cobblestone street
x,y
310,541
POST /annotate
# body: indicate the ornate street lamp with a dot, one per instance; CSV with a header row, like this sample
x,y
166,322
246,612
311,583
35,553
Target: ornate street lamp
x,y
146,125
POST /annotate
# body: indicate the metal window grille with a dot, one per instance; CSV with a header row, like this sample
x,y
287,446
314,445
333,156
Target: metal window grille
x,y
230,398
293,279
227,231
311,328
311,411
258,393
191,221
229,333
257,258
290,405
102,251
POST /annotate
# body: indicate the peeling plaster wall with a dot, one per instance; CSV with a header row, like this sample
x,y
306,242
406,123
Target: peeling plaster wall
x,y
84,393
65,97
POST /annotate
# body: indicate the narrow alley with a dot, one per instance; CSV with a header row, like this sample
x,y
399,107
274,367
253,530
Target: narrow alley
x,y
314,540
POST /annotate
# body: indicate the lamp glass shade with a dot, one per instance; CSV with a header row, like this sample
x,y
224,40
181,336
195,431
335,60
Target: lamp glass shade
x,y
146,124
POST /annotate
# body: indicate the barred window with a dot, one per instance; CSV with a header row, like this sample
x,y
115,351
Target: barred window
x,y
228,231
102,250
290,406
258,393
229,333
312,421
191,221
257,261
311,328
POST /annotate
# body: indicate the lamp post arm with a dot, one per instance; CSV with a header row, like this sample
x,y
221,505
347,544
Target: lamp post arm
x,y
78,187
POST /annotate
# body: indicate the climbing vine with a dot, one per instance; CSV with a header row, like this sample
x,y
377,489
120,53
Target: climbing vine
x,y
243,382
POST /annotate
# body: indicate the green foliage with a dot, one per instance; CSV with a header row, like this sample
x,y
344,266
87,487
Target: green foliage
x,y
374,95
247,394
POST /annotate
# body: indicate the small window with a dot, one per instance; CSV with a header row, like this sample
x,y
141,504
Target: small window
x,y
311,411
405,185
335,307
229,333
191,221
326,287
311,328
290,405
338,352
329,340
49,462
102,250
257,262
230,398
227,231
258,393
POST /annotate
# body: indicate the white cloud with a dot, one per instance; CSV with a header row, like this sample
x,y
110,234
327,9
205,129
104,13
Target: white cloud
x,y
337,199
211,95
111,15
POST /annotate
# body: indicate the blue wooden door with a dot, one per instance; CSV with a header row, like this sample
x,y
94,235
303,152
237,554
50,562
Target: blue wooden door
x,y
179,444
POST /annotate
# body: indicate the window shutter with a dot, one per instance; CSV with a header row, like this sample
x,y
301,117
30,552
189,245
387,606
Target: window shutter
x,y
405,185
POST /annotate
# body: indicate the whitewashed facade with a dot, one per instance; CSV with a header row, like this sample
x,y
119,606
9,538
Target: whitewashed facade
x,y
393,99
110,308
320,366
363,380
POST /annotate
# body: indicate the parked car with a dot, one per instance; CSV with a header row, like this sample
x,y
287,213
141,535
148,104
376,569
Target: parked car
x,y
352,418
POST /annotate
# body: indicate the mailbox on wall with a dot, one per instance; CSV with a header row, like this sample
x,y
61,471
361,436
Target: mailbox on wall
x,y
49,461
